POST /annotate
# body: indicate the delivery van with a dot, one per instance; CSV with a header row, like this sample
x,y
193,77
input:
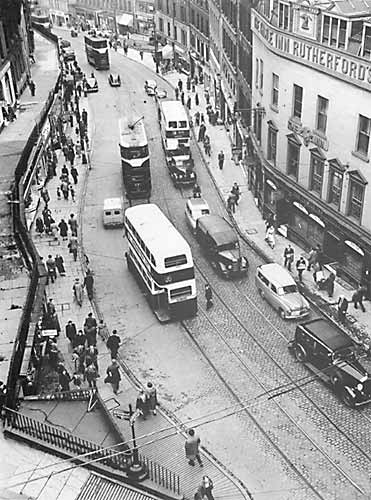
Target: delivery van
x,y
113,212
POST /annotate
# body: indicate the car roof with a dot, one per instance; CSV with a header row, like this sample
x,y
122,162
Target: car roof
x,y
329,334
197,203
276,274
112,203
218,228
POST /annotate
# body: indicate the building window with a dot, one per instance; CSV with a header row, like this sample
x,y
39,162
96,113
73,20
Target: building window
x,y
322,106
334,32
161,24
363,138
298,101
175,33
316,173
293,158
258,117
183,36
355,200
256,73
335,186
366,46
261,75
275,89
272,143
283,16
168,29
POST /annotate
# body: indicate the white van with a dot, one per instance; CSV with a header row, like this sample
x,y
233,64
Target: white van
x,y
113,213
278,287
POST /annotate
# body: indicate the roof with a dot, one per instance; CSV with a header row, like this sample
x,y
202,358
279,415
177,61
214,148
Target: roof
x,y
110,203
157,232
328,333
277,274
220,230
174,110
125,19
99,488
198,203
132,132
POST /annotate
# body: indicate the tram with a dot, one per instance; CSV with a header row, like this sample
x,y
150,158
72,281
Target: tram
x,y
135,162
96,49
161,260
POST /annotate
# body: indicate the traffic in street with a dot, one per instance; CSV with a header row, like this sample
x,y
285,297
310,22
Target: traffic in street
x,y
230,361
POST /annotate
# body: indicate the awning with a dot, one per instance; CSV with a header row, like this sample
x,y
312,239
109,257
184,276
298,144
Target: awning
x,y
300,207
354,247
125,20
167,52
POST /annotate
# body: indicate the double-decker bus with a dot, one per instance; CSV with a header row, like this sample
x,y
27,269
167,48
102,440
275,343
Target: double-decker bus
x,y
96,49
135,163
162,262
176,133
40,19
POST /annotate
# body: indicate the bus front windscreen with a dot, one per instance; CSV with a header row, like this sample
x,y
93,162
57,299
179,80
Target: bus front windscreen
x,y
134,153
173,134
99,44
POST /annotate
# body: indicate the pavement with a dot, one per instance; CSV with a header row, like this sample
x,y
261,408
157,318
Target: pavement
x,y
251,225
249,220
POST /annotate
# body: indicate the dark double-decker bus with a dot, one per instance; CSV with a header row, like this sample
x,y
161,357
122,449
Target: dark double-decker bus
x,y
96,49
134,155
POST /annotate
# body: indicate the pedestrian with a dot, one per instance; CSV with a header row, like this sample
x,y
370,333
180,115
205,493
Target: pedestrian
x,y
208,296
141,54
45,195
39,225
91,356
91,375
269,236
74,174
64,380
72,222
207,145
51,267
73,247
59,264
90,330
182,97
59,194
63,229
288,257
180,85
342,308
221,160
79,340
32,87
192,448
152,398
142,404
78,148
189,102
50,309
71,120
65,190
71,331
197,100
358,297
113,344
318,276
201,133
300,267
176,93
236,191
64,171
206,488
231,202
207,96
312,257
197,119
78,292
72,193
89,284
113,376
188,83
330,284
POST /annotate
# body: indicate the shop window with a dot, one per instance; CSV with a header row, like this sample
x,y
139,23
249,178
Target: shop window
x,y
334,32
355,197
335,186
366,46
363,137
275,89
293,158
272,143
322,106
297,101
283,16
316,173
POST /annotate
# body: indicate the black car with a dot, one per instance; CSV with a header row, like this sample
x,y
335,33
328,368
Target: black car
x,y
64,43
114,80
331,354
69,54
181,171
74,33
220,243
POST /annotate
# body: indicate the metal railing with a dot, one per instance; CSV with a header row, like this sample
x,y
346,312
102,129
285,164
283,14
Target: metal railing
x,y
161,475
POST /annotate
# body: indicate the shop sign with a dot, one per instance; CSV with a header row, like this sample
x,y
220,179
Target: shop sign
x,y
308,135
311,54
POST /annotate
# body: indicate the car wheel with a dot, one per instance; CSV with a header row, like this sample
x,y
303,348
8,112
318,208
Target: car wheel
x,y
300,353
347,398
282,313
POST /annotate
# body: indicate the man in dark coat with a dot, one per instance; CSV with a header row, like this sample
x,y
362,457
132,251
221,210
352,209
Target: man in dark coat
x,y
113,344
192,448
71,331
113,376
89,284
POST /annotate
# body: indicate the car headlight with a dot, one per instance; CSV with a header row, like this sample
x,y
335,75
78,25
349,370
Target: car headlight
x,y
229,266
192,174
360,387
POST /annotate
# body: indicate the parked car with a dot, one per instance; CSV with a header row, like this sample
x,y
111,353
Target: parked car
x,y
74,33
114,80
69,54
161,93
278,287
195,208
331,354
220,243
91,85
150,87
64,43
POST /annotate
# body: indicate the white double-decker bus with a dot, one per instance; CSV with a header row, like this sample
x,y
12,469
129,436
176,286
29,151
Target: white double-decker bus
x,y
161,260
176,140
